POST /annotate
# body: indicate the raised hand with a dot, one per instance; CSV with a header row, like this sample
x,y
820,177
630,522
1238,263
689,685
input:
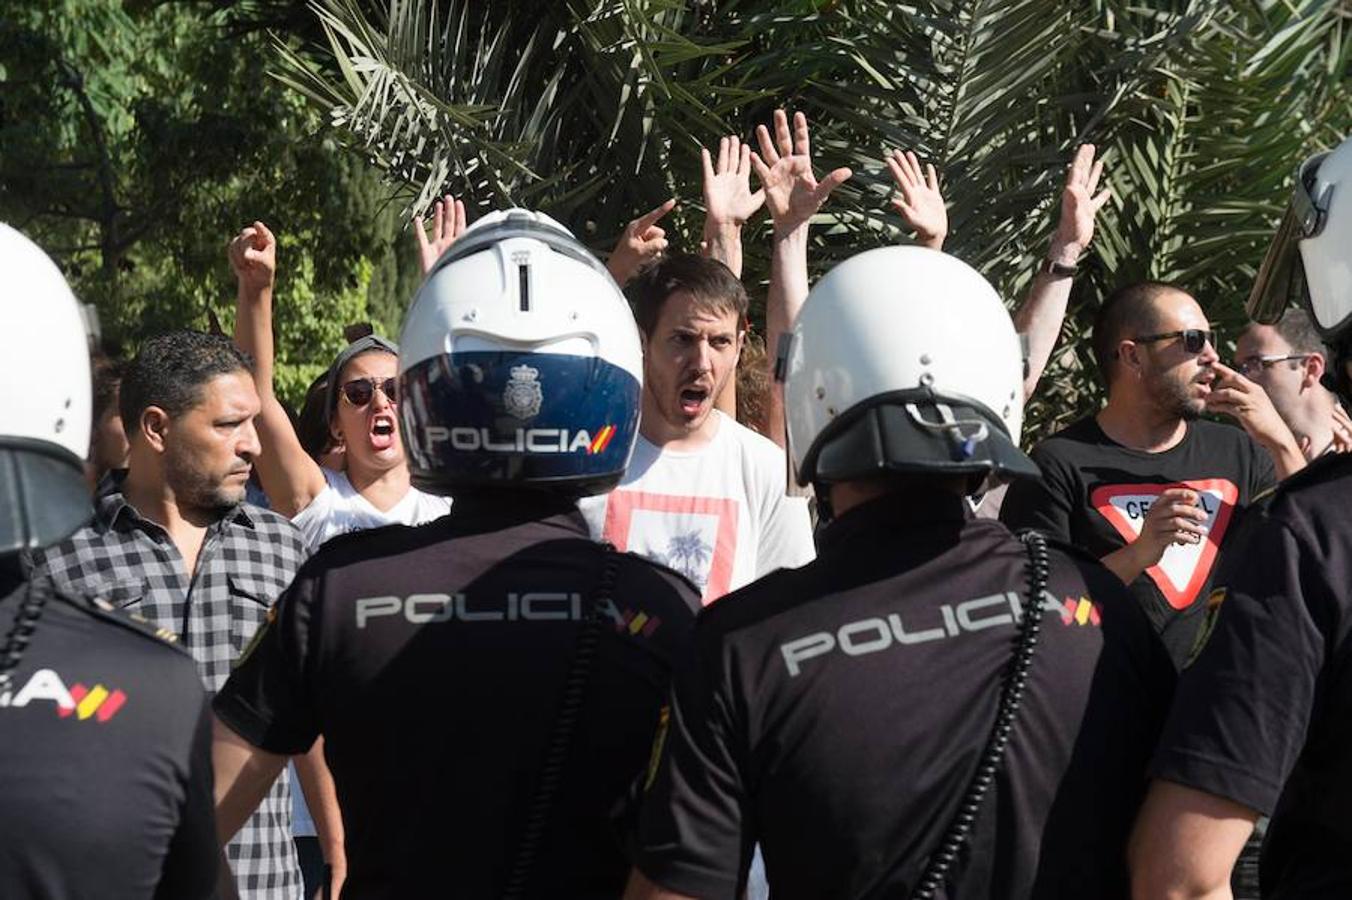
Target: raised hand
x,y
642,240
1079,206
448,223
920,203
253,257
784,167
1234,395
728,199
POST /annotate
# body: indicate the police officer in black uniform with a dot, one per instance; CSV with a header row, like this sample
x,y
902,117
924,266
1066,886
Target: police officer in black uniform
x,y
488,685
933,707
105,733
1262,724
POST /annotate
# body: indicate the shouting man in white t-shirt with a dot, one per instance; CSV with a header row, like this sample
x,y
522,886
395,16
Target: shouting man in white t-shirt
x,y
703,494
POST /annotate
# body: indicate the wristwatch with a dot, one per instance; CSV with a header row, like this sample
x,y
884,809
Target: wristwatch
x,y
1055,269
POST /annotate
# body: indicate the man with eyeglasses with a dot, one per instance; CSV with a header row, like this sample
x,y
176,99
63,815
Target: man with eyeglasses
x,y
1146,485
1288,360
1262,721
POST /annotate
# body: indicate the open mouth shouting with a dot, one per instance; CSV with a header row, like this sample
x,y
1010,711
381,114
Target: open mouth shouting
x,y
694,400
384,431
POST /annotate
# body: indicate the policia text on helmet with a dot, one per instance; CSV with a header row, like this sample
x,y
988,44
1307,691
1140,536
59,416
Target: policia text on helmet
x,y
1308,263
520,365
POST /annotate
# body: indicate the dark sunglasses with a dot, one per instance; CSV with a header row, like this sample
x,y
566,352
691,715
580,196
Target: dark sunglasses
x,y
360,391
1194,339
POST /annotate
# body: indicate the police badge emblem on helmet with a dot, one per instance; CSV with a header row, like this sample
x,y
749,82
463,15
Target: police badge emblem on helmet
x,y
522,396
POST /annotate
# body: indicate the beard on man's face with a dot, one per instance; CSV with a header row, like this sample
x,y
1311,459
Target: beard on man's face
x,y
1174,396
195,487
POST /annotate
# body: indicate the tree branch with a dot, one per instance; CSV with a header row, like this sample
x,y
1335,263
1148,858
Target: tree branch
x,y
108,223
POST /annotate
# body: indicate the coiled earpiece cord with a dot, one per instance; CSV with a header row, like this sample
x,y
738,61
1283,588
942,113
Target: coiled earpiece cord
x,y
1011,695
561,737
25,623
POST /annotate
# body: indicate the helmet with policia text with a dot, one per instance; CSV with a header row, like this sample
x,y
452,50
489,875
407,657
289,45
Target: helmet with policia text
x,y
520,364
904,360
1310,259
44,438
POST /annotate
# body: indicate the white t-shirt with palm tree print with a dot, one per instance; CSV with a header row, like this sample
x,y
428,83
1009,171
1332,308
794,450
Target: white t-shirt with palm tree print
x,y
718,515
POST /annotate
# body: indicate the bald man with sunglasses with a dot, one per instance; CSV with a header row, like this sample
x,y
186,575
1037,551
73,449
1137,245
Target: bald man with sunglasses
x,y
1146,485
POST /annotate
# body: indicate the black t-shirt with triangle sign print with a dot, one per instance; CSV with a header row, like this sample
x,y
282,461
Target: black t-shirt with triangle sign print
x,y
1095,493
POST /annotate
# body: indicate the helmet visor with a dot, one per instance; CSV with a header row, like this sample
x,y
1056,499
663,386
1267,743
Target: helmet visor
x,y
1281,277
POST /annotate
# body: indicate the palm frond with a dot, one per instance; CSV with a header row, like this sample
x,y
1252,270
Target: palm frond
x,y
594,111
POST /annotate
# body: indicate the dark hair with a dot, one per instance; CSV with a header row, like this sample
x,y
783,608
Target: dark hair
x,y
171,370
1127,311
312,423
1297,329
357,330
106,373
708,281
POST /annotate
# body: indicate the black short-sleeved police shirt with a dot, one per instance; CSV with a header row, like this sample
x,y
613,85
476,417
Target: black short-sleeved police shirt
x,y
1095,494
105,762
433,659
1264,715
835,713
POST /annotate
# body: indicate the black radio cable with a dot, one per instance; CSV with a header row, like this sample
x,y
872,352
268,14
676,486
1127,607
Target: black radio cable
x,y
561,737
1011,695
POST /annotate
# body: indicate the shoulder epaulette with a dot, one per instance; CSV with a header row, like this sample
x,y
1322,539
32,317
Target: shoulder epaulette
x,y
106,612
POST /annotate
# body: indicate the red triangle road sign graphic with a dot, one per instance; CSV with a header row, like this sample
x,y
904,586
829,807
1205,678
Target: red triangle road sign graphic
x,y
1184,568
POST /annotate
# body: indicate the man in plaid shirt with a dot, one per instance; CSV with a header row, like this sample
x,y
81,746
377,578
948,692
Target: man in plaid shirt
x,y
174,543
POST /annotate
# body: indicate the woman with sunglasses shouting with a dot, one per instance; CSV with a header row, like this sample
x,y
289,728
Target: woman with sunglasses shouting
x,y
373,488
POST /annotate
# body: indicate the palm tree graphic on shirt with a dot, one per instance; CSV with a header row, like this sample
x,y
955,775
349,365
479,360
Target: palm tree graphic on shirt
x,y
689,555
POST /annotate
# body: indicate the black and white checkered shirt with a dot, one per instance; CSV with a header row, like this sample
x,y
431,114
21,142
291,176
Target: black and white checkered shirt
x,y
247,559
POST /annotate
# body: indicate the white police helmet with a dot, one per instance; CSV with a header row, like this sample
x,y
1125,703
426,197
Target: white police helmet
x,y
45,379
1317,224
904,360
1310,259
519,363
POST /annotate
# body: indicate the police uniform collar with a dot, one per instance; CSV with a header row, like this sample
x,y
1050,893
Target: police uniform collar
x,y
492,510
901,510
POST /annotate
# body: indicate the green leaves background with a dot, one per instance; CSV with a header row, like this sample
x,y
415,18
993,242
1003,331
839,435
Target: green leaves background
x,y
594,110
137,138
